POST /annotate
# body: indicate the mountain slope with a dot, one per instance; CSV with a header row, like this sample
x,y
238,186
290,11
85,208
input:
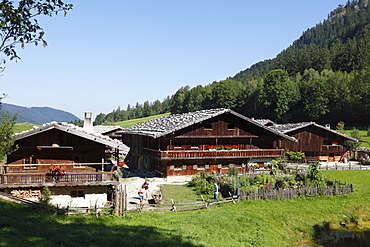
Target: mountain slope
x,y
37,115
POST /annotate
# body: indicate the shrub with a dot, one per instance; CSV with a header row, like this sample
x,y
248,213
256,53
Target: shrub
x,y
45,195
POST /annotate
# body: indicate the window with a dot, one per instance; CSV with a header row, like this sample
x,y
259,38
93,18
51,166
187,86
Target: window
x,y
208,126
77,193
177,146
194,146
231,126
201,167
29,167
177,167
79,166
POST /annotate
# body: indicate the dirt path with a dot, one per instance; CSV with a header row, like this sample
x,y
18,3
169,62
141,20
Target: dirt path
x,y
133,184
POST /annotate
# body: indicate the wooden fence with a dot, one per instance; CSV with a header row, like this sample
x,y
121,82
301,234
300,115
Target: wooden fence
x,y
97,211
178,207
300,192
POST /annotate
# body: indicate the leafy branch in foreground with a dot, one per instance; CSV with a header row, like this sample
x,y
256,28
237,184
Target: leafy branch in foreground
x,y
18,23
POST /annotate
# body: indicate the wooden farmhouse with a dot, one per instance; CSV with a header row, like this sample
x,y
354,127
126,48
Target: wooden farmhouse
x,y
206,140
319,143
69,160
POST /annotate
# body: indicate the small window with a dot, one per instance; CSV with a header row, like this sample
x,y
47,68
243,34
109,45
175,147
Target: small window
x,y
30,167
201,167
79,166
231,126
177,146
208,126
194,146
177,167
77,193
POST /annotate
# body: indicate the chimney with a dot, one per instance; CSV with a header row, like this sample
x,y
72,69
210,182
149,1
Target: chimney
x,y
327,126
88,123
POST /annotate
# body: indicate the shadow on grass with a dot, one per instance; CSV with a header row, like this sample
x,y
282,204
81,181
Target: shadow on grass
x,y
328,237
22,225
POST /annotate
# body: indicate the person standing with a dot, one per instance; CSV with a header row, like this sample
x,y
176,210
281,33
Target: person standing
x,y
215,190
141,193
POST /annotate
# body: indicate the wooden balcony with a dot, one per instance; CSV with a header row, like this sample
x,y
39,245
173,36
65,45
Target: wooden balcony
x,y
212,154
69,179
333,148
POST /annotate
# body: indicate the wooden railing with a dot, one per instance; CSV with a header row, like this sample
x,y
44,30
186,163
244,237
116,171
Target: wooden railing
x,y
333,148
206,154
69,178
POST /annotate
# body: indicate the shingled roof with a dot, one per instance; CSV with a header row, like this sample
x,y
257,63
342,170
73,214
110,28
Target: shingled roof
x,y
102,129
289,127
75,130
167,124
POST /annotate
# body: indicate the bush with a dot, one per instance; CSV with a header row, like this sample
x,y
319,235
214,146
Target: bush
x,y
45,195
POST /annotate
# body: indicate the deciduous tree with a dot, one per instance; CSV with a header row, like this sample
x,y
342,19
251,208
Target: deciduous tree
x,y
18,23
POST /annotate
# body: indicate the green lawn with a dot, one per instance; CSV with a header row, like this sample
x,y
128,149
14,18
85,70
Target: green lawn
x,y
248,223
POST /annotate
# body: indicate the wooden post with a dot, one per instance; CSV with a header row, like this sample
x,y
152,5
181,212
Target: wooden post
x,y
117,202
173,206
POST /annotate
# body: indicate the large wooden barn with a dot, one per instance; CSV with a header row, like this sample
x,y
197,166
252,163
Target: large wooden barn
x,y
206,140
319,143
69,160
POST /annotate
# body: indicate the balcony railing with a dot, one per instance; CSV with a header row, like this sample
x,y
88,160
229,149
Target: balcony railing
x,y
333,148
207,154
24,179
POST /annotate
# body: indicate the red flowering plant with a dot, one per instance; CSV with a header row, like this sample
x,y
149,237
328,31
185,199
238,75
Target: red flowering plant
x,y
57,169
121,163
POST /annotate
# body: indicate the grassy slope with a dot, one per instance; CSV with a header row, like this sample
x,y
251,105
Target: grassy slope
x,y
249,223
128,123
365,138
19,127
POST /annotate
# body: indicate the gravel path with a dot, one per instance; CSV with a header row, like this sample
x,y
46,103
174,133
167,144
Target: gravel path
x,y
133,184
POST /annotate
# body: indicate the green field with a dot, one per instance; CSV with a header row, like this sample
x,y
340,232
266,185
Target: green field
x,y
248,223
365,139
129,123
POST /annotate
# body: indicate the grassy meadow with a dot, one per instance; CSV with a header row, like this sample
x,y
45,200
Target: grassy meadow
x,y
248,223
129,123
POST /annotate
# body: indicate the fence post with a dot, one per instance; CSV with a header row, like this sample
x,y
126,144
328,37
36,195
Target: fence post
x,y
173,206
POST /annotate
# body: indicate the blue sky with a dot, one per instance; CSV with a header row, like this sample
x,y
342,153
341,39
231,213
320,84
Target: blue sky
x,y
112,53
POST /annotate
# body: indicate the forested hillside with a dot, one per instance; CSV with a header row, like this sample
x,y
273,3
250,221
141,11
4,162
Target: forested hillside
x,y
324,76
37,115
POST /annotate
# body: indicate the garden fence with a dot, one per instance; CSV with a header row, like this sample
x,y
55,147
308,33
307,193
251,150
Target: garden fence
x,y
299,192
177,207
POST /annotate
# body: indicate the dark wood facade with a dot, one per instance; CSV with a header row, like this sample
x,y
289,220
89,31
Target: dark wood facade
x,y
318,143
211,145
83,154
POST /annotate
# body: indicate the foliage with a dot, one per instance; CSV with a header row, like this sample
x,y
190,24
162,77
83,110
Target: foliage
x,y
7,137
203,183
45,195
295,155
340,127
18,23
279,92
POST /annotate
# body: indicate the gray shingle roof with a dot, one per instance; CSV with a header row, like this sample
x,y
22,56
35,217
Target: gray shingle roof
x,y
75,130
289,127
101,129
167,124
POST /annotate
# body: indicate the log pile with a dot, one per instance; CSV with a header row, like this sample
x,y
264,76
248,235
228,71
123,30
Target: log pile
x,y
35,194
